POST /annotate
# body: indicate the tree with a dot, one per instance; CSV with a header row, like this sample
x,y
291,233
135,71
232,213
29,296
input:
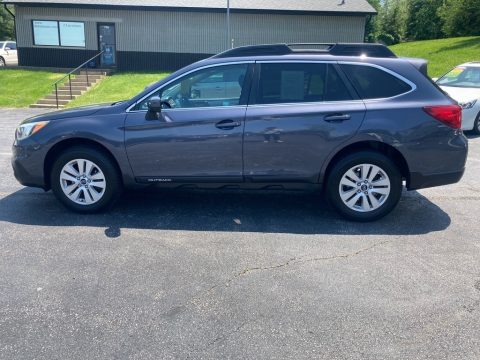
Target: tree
x,y
423,21
461,17
393,20
6,25
372,25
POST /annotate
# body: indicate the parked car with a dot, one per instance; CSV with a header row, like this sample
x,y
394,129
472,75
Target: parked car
x,y
352,120
463,84
8,53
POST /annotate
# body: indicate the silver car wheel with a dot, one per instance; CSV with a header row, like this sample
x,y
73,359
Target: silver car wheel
x,y
83,182
2,62
364,188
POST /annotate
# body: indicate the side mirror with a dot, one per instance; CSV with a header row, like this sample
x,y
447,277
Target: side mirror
x,y
155,105
6,48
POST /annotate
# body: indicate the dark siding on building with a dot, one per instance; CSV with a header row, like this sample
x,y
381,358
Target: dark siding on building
x,y
55,57
133,60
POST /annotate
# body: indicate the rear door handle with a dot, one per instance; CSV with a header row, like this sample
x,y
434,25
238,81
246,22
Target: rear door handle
x,y
337,117
227,124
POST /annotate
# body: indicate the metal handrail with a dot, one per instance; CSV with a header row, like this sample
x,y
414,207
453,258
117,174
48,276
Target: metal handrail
x,y
69,75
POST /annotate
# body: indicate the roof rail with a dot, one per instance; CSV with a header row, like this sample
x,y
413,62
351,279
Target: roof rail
x,y
338,49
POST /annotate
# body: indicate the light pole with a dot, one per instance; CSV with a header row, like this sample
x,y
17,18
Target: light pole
x,y
228,24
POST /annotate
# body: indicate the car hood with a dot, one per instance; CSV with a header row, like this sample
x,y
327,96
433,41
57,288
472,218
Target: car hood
x,y
69,113
462,94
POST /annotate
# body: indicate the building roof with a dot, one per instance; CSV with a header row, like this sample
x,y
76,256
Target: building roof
x,y
328,6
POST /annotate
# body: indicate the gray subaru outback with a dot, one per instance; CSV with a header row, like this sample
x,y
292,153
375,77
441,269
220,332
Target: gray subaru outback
x,y
352,120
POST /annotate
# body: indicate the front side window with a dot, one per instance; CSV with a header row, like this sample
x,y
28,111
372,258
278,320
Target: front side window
x,y
300,82
374,83
461,76
12,46
215,86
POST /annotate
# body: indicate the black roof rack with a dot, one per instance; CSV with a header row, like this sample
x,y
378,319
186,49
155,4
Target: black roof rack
x,y
338,49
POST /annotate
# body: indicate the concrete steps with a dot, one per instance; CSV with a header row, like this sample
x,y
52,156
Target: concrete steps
x,y
79,84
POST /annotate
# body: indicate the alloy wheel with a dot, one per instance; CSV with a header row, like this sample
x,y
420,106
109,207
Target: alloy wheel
x,y
364,187
83,182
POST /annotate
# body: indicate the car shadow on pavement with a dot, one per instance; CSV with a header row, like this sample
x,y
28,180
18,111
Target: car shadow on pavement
x,y
198,210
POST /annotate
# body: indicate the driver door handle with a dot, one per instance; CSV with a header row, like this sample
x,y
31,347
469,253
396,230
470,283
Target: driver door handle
x,y
227,124
337,117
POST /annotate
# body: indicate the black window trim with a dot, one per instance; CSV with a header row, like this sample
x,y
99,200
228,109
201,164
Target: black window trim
x,y
59,37
256,83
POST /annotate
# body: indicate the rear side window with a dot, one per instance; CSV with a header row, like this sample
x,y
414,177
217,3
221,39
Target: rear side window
x,y
300,82
374,83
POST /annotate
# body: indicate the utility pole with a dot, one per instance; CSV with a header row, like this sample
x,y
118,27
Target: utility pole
x,y
228,25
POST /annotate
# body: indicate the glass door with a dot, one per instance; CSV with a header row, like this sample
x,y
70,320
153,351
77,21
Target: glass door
x,y
107,44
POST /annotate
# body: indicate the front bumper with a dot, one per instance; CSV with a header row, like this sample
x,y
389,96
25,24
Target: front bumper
x,y
27,164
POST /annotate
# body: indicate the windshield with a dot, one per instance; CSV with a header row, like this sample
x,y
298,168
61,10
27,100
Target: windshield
x,y
461,76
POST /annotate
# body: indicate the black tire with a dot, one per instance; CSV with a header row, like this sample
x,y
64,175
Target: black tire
x,y
476,125
350,161
113,188
2,62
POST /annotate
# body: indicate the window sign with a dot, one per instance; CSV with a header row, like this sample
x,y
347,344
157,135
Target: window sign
x,y
72,33
45,33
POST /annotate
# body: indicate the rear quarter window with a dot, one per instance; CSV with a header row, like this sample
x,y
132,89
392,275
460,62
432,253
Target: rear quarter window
x,y
373,83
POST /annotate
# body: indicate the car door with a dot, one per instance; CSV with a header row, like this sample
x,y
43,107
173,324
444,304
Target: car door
x,y
198,136
12,53
299,112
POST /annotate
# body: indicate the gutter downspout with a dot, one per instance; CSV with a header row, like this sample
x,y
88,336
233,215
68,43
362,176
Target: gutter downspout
x,y
14,21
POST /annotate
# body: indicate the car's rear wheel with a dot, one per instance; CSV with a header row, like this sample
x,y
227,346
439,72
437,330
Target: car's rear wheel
x,y
85,180
476,125
364,186
2,62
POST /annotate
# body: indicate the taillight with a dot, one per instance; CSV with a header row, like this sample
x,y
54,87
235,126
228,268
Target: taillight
x,y
450,115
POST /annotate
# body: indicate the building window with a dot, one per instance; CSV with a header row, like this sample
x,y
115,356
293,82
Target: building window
x,y
58,33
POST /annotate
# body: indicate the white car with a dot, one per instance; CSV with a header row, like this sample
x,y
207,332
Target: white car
x,y
8,53
463,84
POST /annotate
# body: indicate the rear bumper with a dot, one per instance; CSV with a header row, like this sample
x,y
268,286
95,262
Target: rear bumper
x,y
421,181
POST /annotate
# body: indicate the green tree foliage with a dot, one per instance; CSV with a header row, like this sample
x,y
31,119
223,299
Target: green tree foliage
x,y
6,25
423,20
393,21
461,17
372,25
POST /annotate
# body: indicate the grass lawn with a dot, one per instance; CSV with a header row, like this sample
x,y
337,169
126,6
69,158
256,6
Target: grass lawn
x,y
116,87
20,88
441,54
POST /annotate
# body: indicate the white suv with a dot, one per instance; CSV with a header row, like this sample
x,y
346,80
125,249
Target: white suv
x,y
8,53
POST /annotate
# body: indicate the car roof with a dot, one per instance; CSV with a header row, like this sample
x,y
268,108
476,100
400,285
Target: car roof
x,y
471,64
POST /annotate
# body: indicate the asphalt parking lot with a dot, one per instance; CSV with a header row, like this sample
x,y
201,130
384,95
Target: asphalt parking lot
x,y
208,275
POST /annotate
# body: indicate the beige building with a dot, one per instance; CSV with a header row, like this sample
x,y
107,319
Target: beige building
x,y
168,34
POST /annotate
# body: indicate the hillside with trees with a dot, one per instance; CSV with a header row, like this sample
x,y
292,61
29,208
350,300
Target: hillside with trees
x,y
410,20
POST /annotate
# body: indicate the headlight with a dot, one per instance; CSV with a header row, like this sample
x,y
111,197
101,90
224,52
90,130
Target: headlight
x,y
26,130
468,104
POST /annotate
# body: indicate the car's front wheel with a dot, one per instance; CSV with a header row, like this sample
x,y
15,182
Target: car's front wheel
x,y
364,186
476,125
85,180
2,62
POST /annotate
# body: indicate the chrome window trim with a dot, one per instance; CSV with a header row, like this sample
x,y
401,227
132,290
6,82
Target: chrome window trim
x,y
388,71
393,73
129,109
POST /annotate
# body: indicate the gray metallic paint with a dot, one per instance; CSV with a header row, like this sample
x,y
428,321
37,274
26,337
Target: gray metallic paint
x,y
429,147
